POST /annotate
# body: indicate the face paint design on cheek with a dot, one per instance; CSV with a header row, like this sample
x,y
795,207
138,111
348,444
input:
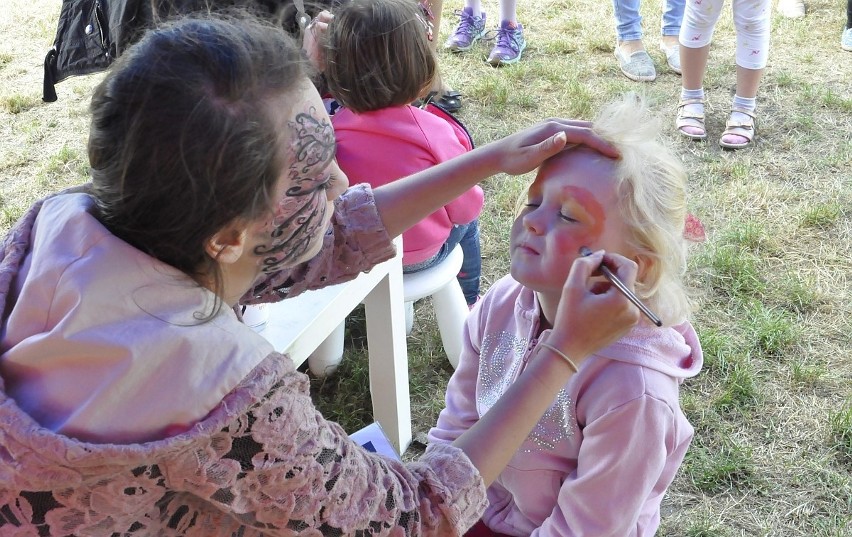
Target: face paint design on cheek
x,y
595,217
298,217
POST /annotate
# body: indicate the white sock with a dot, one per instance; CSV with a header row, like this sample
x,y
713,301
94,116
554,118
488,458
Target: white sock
x,y
692,109
743,103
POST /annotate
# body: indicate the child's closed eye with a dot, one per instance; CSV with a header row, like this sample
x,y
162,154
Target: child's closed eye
x,y
567,218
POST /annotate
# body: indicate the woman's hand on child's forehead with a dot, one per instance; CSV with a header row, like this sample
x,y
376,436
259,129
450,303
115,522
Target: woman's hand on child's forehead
x,y
578,132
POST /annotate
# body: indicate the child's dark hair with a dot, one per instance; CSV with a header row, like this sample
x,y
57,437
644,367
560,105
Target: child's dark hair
x,y
181,141
378,54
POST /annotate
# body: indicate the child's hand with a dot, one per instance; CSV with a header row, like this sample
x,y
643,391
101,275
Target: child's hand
x,y
588,320
525,150
312,43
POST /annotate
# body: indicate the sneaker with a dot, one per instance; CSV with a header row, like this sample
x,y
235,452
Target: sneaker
x,y
846,39
510,44
672,56
470,30
637,66
792,9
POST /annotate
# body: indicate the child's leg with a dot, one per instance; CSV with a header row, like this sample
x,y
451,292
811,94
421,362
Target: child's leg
x,y
446,96
672,19
509,10
848,14
751,19
633,60
628,25
696,32
466,236
471,268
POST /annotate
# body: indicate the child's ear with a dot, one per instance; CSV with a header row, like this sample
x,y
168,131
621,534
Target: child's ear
x,y
227,245
645,263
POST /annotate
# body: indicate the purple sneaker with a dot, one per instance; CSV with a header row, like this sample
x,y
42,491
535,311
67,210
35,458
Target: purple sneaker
x,y
510,44
470,30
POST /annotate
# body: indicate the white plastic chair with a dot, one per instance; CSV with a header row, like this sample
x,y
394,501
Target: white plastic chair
x,y
451,309
296,326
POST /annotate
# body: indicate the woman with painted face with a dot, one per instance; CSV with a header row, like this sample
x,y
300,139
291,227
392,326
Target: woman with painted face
x,y
133,400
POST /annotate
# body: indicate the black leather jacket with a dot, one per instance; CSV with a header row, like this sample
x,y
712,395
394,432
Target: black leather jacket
x,y
91,34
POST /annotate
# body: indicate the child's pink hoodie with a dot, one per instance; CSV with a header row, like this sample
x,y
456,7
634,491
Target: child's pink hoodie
x,y
601,458
382,146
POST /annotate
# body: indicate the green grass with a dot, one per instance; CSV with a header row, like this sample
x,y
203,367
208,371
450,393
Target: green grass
x,y
15,104
841,432
723,469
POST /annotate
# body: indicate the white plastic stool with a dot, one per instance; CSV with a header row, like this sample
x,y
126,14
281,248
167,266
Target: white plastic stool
x,y
451,309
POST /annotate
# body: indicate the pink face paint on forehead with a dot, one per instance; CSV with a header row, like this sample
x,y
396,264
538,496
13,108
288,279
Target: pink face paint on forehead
x,y
299,219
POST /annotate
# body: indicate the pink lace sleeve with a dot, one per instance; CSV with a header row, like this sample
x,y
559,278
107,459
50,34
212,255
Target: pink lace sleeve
x,y
282,468
257,465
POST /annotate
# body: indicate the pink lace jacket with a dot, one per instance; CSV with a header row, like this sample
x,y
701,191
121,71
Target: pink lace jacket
x,y
262,462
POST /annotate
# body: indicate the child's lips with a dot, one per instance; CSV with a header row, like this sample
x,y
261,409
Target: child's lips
x,y
524,247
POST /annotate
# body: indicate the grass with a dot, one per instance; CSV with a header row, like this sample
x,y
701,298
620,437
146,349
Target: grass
x,y
772,408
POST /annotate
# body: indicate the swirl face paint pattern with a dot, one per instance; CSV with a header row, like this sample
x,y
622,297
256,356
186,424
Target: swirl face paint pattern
x,y
300,218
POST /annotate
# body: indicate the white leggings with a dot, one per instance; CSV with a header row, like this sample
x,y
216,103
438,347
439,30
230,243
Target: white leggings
x,y
751,19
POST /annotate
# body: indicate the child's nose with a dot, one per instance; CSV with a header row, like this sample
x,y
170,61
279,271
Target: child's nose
x,y
534,222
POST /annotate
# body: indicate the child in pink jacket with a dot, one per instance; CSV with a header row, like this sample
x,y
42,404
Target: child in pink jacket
x,y
378,61
600,460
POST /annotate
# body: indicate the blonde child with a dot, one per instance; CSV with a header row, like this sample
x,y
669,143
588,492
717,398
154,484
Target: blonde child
x,y
604,453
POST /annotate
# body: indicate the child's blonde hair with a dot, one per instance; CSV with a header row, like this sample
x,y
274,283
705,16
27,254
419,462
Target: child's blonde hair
x,y
651,186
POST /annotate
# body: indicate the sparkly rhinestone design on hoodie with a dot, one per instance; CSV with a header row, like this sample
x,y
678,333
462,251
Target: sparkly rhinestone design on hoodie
x,y
501,359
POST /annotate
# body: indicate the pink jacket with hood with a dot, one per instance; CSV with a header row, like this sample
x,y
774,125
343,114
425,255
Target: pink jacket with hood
x,y
384,145
600,460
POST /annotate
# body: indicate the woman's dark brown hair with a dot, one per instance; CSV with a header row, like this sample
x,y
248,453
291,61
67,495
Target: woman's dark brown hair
x,y
181,141
378,54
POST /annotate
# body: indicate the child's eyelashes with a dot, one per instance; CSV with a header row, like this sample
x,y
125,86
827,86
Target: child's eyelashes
x,y
566,217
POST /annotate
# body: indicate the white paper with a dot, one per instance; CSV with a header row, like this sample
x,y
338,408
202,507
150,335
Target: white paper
x,y
373,438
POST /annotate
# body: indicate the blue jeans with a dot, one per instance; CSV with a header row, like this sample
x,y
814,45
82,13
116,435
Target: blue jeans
x,y
466,235
628,22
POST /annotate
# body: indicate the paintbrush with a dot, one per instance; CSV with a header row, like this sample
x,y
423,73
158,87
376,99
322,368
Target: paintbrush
x,y
585,250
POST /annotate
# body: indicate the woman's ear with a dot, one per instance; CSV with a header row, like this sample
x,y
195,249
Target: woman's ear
x,y
227,245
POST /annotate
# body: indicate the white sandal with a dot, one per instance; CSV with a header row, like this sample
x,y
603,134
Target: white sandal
x,y
690,119
745,129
